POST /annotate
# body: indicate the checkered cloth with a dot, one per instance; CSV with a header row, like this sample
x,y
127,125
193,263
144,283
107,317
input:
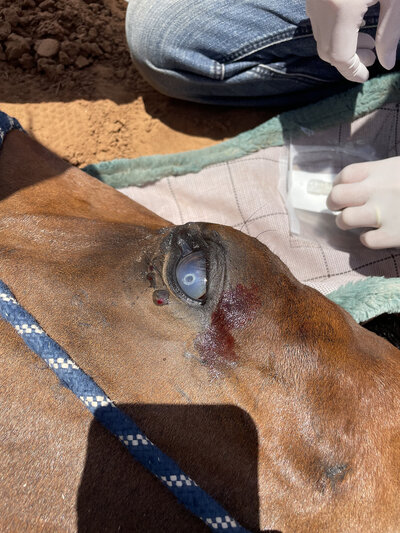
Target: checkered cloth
x,y
249,194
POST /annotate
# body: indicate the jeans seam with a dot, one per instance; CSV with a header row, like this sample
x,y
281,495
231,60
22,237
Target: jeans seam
x,y
218,67
278,38
282,37
261,66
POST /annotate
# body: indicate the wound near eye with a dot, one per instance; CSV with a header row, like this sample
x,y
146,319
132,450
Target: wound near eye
x,y
237,308
161,297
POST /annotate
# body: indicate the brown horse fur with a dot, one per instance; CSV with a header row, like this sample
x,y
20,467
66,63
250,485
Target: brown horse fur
x,y
270,396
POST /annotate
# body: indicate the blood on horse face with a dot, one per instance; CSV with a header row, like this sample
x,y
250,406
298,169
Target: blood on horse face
x,y
267,394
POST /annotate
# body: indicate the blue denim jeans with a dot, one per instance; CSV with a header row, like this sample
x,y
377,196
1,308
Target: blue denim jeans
x,y
232,52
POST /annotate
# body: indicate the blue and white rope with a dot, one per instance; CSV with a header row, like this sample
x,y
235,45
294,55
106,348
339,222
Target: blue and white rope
x,y
95,399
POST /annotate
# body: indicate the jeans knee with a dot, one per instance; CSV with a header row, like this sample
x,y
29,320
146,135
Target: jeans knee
x,y
169,44
143,41
222,52
153,37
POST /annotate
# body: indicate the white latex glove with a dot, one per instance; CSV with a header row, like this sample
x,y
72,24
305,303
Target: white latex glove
x,y
336,25
369,196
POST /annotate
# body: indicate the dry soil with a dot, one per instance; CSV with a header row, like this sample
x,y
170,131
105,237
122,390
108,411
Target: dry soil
x,y
66,74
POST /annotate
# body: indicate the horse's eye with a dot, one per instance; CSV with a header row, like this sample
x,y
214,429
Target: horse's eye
x,y
191,275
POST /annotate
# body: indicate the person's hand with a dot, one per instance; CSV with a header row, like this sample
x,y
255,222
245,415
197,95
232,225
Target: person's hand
x,y
369,196
336,24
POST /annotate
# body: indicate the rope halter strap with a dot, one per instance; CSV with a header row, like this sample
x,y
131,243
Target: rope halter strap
x,y
116,421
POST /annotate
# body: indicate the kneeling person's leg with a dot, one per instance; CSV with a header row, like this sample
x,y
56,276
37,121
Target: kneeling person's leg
x,y
233,53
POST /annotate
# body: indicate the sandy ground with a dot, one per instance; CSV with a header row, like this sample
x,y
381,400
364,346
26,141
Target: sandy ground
x,y
66,74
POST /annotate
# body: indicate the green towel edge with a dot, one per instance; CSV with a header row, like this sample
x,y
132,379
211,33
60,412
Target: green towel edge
x,y
343,107
369,297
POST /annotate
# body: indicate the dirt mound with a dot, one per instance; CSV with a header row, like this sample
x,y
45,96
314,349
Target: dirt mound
x,y
66,74
58,38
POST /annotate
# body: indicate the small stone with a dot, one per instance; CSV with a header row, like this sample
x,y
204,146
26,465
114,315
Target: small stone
x,y
82,62
95,49
106,46
95,8
85,50
68,14
5,30
47,47
108,33
48,66
11,15
81,29
64,58
91,49
44,63
16,46
82,36
26,61
92,34
46,4
50,28
72,49
26,20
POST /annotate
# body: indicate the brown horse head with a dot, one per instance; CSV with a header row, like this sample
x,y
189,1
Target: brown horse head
x,y
266,393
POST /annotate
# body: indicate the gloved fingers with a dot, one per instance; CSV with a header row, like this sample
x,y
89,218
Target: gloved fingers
x,y
367,57
388,33
353,70
365,47
365,40
380,238
346,195
344,47
365,216
353,173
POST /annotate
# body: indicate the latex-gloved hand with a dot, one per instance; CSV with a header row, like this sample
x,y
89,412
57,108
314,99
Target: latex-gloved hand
x,y
369,196
336,25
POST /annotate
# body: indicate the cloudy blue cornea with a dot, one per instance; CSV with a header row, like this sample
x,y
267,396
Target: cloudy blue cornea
x,y
191,275
7,124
